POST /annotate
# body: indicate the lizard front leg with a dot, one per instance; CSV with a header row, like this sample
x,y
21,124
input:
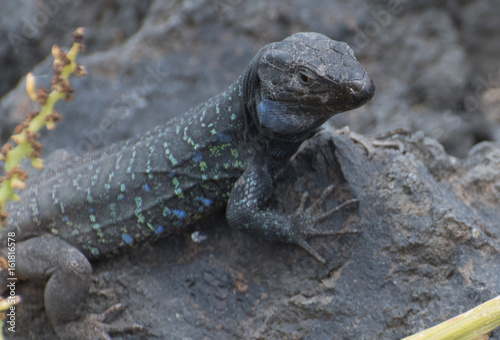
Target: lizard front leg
x,y
245,211
67,272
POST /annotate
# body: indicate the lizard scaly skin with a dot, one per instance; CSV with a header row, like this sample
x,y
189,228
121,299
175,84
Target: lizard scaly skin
x,y
227,150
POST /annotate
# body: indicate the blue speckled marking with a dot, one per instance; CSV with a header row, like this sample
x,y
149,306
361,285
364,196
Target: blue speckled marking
x,y
159,230
224,138
127,239
146,188
205,201
198,157
93,250
120,197
180,213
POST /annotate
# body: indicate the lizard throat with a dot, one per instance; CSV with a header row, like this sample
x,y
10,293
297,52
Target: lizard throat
x,y
277,118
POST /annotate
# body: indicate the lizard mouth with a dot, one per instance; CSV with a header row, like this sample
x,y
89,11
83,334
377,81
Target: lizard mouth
x,y
350,94
305,114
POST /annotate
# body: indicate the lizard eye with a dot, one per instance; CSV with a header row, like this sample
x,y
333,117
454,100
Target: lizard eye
x,y
304,79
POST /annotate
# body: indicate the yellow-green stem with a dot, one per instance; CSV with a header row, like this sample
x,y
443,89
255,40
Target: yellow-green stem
x,y
24,147
39,121
474,324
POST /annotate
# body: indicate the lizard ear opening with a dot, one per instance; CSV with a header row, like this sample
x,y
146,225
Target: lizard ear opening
x,y
252,88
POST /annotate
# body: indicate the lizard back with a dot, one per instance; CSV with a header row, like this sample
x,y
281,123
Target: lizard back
x,y
142,188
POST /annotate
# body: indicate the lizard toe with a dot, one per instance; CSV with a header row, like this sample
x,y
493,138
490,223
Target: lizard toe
x,y
304,222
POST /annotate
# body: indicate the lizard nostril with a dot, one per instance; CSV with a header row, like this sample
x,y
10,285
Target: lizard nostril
x,y
356,85
362,88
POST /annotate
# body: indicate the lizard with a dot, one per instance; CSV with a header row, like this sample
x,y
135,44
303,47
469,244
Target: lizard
x,y
226,151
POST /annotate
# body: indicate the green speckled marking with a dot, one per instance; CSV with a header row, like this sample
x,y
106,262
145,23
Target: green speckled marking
x,y
131,161
172,159
89,196
93,250
138,202
140,218
179,193
97,228
112,211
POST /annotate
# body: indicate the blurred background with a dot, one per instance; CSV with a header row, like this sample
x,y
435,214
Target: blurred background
x,y
435,63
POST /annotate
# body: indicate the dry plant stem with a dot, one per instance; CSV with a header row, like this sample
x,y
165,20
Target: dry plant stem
x,y
26,133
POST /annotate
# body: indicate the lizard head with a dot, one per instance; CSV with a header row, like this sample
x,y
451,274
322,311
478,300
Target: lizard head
x,y
302,81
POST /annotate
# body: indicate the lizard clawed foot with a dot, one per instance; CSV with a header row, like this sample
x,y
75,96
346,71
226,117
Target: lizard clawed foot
x,y
92,326
304,222
376,141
